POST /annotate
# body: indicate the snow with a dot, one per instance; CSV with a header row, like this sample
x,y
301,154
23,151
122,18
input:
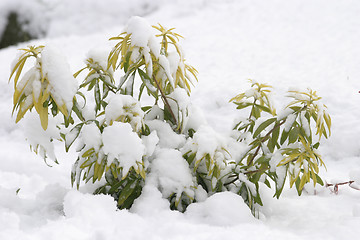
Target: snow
x,y
122,107
221,209
150,142
140,31
121,143
63,85
91,137
44,141
283,43
172,173
167,137
206,141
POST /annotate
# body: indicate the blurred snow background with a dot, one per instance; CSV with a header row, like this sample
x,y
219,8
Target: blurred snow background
x,y
285,43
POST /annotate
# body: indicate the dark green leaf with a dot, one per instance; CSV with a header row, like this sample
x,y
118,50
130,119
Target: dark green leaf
x,y
190,158
134,195
146,108
126,192
267,183
297,184
319,180
316,145
92,84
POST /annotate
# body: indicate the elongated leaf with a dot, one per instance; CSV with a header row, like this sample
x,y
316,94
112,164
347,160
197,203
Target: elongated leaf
x,y
255,112
148,83
97,96
126,192
129,88
319,180
262,126
72,135
243,105
264,108
294,134
88,153
284,136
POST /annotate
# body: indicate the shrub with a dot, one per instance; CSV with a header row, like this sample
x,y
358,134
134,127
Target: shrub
x,y
125,145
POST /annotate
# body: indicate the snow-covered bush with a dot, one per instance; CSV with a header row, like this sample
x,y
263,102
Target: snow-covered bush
x,y
279,145
125,145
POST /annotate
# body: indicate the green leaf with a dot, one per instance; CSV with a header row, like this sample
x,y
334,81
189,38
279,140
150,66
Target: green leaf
x,y
97,97
76,109
190,158
242,105
127,61
255,112
129,88
319,180
297,184
263,108
135,194
91,85
191,132
284,136
294,135
257,199
146,108
262,126
142,86
88,153
279,189
116,187
267,183
273,142
126,192
152,90
316,145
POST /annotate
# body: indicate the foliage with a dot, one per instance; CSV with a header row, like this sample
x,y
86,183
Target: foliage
x,y
280,145
125,146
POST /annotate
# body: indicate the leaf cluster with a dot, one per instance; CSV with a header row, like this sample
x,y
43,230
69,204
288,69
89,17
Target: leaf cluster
x,y
34,88
280,145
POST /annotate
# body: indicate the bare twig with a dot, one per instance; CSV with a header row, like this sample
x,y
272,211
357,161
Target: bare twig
x,y
336,186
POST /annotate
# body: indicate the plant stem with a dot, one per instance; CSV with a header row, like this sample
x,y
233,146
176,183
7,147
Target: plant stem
x,y
264,139
249,172
166,103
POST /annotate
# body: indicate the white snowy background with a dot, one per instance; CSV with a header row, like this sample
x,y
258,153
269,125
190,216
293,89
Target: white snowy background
x,y
285,43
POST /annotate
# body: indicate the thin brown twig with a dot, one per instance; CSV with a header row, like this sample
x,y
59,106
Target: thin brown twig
x,y
166,103
264,139
336,186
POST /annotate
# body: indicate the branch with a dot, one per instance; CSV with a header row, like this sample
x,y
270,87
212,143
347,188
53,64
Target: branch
x,y
264,139
166,103
249,172
336,186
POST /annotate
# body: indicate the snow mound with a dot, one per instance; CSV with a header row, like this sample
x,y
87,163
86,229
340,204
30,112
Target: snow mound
x,y
221,209
77,204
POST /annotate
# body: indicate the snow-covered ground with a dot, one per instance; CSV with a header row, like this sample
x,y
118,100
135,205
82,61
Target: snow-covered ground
x,y
283,43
